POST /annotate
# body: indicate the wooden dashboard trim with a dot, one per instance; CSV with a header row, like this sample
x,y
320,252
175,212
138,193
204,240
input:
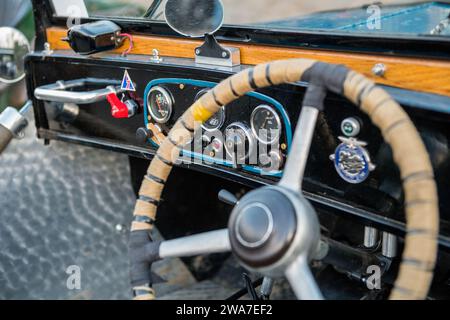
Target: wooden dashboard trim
x,y
432,76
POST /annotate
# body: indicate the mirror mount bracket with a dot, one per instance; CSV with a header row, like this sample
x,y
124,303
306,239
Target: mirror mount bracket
x,y
212,53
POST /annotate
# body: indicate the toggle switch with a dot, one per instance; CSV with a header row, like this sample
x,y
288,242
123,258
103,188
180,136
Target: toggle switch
x,y
120,109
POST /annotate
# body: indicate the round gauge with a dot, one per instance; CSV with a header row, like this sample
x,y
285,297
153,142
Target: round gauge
x,y
160,104
239,142
216,121
266,124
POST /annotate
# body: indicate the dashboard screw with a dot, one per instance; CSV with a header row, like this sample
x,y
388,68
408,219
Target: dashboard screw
x,y
379,69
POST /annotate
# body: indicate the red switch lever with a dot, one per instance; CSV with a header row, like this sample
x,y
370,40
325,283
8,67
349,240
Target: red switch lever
x,y
119,109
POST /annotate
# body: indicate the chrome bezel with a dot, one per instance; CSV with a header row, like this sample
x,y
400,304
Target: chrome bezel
x,y
222,109
220,125
249,135
168,97
277,119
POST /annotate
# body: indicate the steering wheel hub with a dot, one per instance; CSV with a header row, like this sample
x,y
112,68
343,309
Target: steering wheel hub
x,y
254,225
262,227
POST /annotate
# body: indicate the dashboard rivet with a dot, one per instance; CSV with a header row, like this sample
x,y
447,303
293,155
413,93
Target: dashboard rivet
x,y
283,146
379,69
181,86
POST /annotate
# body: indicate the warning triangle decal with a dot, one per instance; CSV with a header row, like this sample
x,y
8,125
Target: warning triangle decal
x,y
127,83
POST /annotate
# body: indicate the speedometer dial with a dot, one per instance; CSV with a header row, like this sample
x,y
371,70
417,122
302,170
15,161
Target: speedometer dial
x,y
160,104
266,124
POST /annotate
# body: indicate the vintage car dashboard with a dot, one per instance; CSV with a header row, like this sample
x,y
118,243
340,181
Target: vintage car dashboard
x,y
160,91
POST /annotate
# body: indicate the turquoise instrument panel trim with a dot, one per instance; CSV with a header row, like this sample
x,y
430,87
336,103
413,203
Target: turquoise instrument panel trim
x,y
208,84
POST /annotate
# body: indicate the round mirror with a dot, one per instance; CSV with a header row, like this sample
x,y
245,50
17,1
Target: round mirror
x,y
194,18
14,46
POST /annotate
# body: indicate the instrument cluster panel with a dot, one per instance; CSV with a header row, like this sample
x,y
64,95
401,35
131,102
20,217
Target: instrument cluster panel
x,y
253,133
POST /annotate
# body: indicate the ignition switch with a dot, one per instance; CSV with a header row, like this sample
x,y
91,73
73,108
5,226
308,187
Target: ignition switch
x,y
122,109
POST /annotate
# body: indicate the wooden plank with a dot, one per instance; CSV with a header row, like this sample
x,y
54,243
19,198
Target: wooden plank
x,y
431,76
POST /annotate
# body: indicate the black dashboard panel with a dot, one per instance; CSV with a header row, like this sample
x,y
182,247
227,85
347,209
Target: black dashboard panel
x,y
379,196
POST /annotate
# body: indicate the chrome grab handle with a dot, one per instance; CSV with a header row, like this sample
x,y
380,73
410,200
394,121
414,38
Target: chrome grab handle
x,y
58,91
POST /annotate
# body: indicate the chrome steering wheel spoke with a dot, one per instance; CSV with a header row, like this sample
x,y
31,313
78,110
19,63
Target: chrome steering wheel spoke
x,y
302,280
199,244
298,272
298,156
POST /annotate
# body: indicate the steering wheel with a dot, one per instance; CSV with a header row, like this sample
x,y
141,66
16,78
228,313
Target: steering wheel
x,y
274,230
